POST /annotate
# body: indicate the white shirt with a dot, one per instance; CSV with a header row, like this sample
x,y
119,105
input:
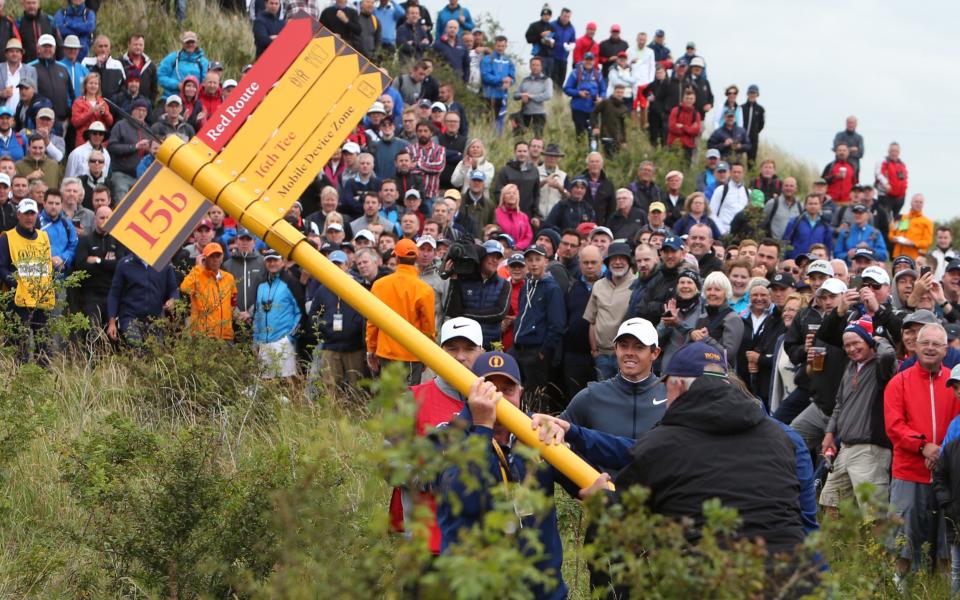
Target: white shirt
x,y
735,201
549,197
757,321
77,164
13,80
644,65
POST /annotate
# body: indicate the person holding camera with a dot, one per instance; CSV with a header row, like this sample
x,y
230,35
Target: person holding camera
x,y
276,318
476,290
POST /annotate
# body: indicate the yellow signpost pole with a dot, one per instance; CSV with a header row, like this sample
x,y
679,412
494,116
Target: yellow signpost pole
x,y
191,161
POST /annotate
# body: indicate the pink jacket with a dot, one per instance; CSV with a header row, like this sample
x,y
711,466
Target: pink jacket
x,y
516,224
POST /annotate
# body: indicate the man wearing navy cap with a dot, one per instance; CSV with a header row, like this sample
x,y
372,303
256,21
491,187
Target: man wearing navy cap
x,y
860,234
586,87
461,507
247,267
475,204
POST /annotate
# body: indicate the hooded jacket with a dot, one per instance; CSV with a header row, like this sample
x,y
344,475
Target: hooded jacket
x,y
486,301
283,317
79,21
493,68
701,450
918,407
800,234
582,80
249,271
410,298
213,297
618,406
176,66
63,237
916,228
542,316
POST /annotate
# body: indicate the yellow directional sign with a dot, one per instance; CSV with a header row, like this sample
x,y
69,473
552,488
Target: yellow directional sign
x,y
308,72
163,206
325,139
167,199
295,129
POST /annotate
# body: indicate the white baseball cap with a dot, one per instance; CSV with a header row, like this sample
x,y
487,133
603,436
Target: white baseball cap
x,y
47,40
173,99
27,205
461,327
832,286
641,329
426,239
821,266
230,83
367,235
5,179
877,274
351,147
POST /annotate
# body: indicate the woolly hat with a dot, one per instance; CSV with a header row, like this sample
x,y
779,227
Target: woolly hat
x,y
863,328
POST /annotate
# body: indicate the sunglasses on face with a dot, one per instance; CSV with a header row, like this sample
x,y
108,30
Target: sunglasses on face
x,y
96,160
871,285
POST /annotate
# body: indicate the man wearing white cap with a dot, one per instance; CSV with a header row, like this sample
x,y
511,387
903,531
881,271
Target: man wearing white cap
x,y
53,80
438,403
26,266
172,122
632,401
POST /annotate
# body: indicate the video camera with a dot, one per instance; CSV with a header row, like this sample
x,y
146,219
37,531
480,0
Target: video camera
x,y
462,260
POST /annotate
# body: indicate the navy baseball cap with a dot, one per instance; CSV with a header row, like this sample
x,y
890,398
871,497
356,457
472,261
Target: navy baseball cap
x,y
673,242
244,232
692,359
904,260
497,363
783,280
864,253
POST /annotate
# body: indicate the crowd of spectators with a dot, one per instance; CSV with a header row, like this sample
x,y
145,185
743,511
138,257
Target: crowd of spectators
x,y
814,301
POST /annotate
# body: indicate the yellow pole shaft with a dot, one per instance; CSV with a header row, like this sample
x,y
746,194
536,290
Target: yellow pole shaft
x,y
191,161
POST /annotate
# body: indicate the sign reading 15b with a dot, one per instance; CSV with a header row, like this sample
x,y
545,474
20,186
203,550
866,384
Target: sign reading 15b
x,y
165,204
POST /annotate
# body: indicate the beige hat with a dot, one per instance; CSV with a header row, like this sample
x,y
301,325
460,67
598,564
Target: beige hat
x,y
47,113
14,43
188,36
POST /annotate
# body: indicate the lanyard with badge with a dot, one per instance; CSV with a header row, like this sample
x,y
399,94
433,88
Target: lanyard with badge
x,y
338,319
519,508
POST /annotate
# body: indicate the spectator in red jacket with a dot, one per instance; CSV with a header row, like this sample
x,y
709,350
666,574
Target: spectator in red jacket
x,y
211,95
891,177
840,175
685,122
586,43
90,107
918,406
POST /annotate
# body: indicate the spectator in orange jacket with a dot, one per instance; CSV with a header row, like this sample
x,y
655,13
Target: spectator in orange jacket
x,y
413,300
912,234
684,125
213,295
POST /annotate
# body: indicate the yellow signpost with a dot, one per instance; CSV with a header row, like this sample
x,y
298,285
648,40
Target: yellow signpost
x,y
185,172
